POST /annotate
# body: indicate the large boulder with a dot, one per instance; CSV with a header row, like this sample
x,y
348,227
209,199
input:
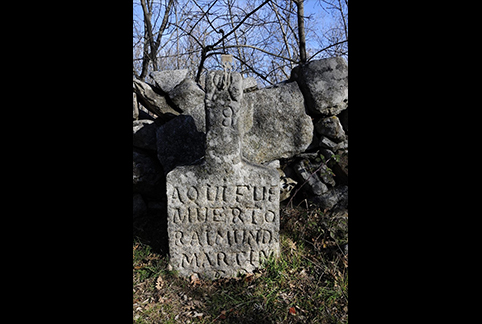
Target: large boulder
x,y
310,178
279,127
331,128
146,174
167,80
324,84
189,98
334,198
153,101
144,134
138,206
179,143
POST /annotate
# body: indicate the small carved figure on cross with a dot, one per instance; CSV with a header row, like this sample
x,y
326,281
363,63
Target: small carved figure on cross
x,y
227,63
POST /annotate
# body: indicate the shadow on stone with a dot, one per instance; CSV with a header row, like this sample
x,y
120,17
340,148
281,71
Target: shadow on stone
x,y
179,143
150,227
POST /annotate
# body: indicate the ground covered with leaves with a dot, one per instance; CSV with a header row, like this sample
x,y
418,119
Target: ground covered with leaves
x,y
307,283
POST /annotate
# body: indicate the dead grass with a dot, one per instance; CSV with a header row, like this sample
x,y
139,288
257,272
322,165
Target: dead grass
x,y
308,283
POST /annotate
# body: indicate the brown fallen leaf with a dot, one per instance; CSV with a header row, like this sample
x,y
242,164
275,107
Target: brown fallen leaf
x,y
159,283
195,280
292,311
249,277
223,315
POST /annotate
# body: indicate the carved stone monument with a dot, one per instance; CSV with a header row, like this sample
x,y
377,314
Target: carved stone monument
x,y
223,214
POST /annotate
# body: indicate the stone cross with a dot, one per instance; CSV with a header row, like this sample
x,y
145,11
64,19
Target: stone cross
x,y
227,63
223,215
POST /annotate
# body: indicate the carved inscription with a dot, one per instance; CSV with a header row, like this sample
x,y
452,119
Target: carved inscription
x,y
205,260
224,225
248,196
255,238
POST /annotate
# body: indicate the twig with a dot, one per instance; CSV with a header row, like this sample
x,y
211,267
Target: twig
x,y
324,49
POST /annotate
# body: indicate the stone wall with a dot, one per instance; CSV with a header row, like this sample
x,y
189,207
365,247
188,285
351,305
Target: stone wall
x,y
299,126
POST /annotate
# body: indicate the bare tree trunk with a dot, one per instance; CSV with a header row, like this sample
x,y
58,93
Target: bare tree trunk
x,y
285,39
149,42
301,30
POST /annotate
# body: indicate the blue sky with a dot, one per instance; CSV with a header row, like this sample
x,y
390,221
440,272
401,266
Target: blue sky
x,y
312,7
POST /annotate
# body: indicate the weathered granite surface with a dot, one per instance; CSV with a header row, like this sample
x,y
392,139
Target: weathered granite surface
x,y
223,215
324,84
280,127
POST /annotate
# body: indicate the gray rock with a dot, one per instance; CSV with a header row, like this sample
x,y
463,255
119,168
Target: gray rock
x,y
324,84
144,134
313,183
343,116
144,115
280,126
249,84
327,143
223,215
179,143
331,128
189,98
153,101
334,198
167,80
138,206
340,169
146,174
275,164
342,147
325,174
326,153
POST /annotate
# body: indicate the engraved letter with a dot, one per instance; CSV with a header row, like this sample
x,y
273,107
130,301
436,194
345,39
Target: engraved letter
x,y
241,258
252,239
211,237
256,216
236,215
259,193
222,258
195,239
210,259
220,237
192,193
177,238
265,237
239,236
218,215
272,193
179,215
240,192
269,216
190,261
211,193
176,196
